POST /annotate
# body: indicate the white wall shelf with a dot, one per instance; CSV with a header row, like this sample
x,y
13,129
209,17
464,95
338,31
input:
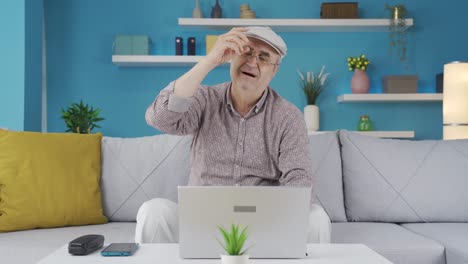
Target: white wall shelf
x,y
284,25
388,98
293,25
154,61
380,134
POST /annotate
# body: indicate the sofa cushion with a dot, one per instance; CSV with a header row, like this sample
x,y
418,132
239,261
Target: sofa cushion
x,y
454,236
135,170
49,180
391,241
28,247
327,188
389,180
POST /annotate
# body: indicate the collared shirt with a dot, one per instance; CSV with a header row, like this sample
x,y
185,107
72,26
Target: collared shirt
x,y
268,146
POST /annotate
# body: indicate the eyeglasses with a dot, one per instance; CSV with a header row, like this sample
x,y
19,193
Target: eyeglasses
x,y
262,58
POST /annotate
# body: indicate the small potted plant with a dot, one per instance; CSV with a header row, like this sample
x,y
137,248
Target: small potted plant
x,y
81,118
313,86
233,245
360,81
397,28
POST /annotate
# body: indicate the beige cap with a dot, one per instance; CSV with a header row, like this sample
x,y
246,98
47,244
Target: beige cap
x,y
268,36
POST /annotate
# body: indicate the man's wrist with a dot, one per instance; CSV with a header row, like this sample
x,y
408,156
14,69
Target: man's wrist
x,y
207,64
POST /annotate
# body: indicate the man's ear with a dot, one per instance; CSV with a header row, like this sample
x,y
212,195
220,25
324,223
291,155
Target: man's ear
x,y
276,68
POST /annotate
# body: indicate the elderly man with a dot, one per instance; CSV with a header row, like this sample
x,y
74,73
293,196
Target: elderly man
x,y
244,133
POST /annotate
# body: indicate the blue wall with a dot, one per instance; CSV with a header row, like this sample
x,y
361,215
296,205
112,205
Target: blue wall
x,y
33,66
79,48
12,21
20,49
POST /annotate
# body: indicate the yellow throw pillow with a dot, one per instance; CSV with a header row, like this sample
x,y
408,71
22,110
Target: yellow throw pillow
x,y
49,180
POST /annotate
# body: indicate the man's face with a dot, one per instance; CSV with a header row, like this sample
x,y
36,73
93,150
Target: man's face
x,y
254,69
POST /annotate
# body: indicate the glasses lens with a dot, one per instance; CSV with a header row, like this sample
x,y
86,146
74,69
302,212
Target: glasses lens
x,y
261,58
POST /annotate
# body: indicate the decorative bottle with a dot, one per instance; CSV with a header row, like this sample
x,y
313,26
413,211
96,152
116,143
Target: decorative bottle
x,y
197,11
216,11
364,123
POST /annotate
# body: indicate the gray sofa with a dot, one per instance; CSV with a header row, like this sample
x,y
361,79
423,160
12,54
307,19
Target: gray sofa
x,y
404,199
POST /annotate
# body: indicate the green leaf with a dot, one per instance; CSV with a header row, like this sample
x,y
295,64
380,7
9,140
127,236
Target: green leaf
x,y
234,240
242,239
225,235
225,249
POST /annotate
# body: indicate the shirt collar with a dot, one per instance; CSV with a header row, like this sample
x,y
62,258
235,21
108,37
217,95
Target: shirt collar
x,y
258,106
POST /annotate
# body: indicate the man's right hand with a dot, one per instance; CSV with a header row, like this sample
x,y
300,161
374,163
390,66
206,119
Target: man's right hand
x,y
227,45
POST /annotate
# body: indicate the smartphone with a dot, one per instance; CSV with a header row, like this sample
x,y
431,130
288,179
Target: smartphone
x,y
119,249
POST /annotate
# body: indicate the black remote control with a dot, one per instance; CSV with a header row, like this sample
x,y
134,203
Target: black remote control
x,y
85,245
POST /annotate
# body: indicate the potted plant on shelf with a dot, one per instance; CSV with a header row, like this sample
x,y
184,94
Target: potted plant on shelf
x,y
397,28
360,81
313,86
81,118
233,244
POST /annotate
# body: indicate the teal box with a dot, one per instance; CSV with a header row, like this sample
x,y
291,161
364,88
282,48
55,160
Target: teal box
x,y
132,45
123,45
141,45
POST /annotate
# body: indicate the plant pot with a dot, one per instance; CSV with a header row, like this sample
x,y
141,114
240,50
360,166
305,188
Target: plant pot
x,y
360,82
396,13
312,117
228,259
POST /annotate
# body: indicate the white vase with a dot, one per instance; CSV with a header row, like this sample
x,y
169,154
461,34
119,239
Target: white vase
x,y
228,259
197,11
312,117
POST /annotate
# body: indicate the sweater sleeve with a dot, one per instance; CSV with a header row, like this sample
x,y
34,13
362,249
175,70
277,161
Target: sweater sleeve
x,y
176,115
294,160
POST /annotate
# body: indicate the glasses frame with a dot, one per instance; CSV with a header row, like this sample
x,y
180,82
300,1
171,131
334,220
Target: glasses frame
x,y
252,54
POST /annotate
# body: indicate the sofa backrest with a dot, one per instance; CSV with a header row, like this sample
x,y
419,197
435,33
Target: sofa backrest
x,y
390,180
135,170
326,172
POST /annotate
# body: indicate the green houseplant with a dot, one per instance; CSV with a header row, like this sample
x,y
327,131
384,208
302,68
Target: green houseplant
x,y
234,241
312,85
81,118
397,28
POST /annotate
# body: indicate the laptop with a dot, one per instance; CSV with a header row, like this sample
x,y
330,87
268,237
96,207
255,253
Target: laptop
x,y
277,220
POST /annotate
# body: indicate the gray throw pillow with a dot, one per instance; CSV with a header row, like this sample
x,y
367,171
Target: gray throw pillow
x,y
135,170
390,180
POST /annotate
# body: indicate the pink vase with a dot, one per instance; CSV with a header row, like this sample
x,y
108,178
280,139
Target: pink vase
x,y
360,82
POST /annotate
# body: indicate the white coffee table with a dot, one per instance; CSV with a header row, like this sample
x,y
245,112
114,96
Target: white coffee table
x,y
169,254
